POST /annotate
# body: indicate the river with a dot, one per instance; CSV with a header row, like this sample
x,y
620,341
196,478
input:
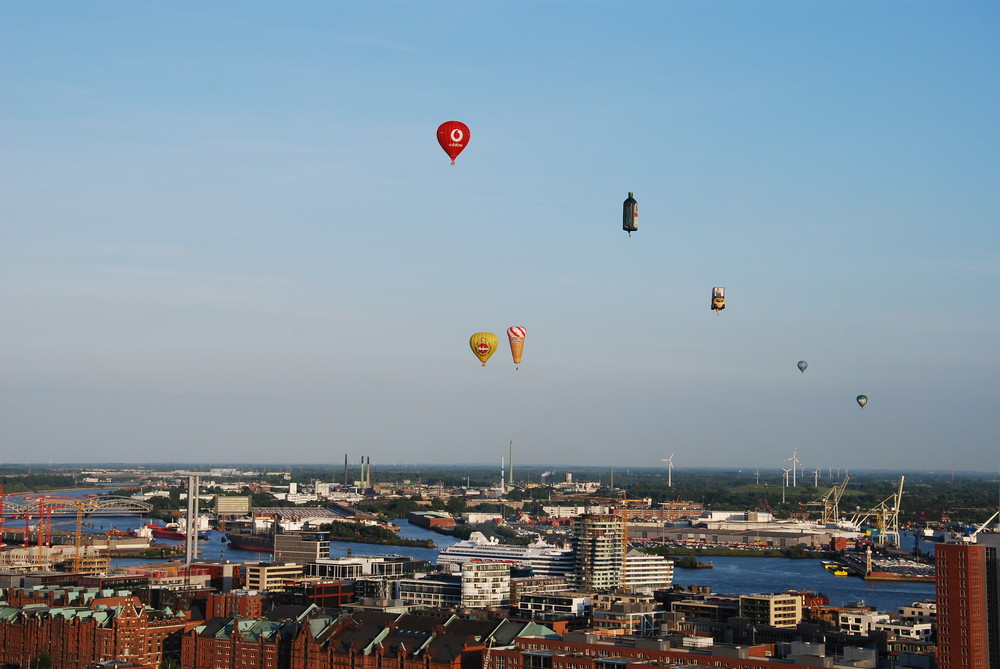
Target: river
x,y
736,575
747,575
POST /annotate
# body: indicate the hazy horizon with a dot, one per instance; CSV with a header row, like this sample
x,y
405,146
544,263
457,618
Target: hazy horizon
x,y
805,475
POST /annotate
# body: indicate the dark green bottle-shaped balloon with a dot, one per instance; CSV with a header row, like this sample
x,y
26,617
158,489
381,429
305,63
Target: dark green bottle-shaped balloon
x,y
630,215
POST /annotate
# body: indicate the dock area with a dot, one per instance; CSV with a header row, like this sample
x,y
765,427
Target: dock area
x,y
887,568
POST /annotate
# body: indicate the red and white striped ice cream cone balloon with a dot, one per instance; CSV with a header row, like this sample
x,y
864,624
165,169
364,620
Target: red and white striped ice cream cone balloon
x,y
515,333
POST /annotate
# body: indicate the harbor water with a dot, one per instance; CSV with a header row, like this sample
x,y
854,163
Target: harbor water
x,y
735,575
748,575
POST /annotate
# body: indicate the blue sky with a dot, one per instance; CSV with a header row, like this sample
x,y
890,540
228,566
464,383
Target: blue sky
x,y
227,231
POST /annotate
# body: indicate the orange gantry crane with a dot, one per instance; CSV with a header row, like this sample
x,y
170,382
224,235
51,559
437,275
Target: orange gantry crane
x,y
46,505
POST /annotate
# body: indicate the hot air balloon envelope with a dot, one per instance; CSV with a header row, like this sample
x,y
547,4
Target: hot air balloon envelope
x,y
862,400
718,298
515,334
483,345
802,364
453,136
630,215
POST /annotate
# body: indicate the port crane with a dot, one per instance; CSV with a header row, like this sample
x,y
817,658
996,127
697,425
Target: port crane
x,y
885,515
971,538
831,502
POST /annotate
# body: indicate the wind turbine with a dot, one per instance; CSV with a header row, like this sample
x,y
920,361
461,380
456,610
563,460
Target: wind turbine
x,y
784,483
795,461
670,469
757,477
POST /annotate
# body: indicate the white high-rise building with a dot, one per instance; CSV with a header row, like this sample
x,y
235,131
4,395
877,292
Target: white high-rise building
x,y
485,584
598,551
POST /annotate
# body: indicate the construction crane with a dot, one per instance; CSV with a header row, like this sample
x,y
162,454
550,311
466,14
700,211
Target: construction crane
x,y
46,505
44,528
2,518
486,653
78,540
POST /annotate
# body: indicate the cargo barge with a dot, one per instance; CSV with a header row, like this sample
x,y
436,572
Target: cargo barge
x,y
247,541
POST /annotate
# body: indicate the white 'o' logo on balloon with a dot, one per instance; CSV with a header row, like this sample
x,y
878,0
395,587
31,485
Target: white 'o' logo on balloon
x,y
457,134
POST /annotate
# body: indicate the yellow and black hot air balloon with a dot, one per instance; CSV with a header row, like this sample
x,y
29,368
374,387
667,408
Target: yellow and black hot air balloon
x,y
718,299
483,344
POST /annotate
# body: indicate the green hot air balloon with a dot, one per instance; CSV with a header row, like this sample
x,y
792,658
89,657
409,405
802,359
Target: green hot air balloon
x,y
862,400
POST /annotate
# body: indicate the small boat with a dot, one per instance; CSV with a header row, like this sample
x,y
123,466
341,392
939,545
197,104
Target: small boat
x,y
840,572
168,531
174,531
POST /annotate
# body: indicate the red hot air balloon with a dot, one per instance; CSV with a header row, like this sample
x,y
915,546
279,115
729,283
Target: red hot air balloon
x,y
453,136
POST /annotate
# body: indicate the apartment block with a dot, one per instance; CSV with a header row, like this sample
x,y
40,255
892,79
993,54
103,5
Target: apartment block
x,y
962,613
263,576
776,610
597,542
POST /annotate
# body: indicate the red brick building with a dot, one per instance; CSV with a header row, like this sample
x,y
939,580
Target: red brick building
x,y
236,604
961,584
235,642
223,576
76,636
538,652
295,637
329,594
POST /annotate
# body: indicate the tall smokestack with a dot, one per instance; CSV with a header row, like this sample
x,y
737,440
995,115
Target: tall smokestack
x,y
510,478
503,486
345,470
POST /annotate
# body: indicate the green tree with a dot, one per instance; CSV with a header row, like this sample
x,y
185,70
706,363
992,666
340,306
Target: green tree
x,y
456,505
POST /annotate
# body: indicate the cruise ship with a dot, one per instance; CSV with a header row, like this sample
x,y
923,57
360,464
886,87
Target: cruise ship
x,y
644,573
479,547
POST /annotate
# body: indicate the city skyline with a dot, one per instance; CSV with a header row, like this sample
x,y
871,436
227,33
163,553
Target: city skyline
x,y
231,230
